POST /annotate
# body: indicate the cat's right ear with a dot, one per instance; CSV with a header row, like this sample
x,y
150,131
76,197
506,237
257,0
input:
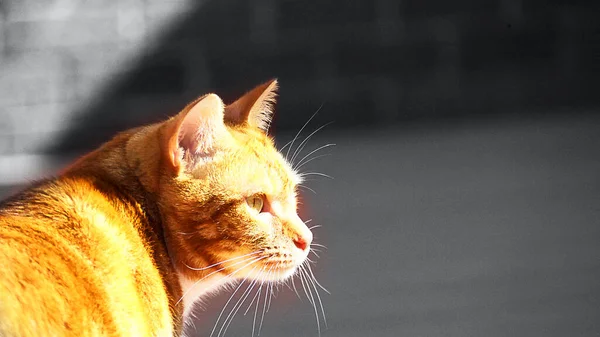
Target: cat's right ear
x,y
196,132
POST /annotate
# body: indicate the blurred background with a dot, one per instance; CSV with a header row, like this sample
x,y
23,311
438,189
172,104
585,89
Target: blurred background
x,y
465,198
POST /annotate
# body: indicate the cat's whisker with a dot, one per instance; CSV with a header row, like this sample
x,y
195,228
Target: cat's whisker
x,y
304,159
317,282
314,226
307,188
318,244
305,141
251,302
256,310
271,294
225,306
312,280
216,271
237,307
228,260
313,152
286,145
299,166
318,250
300,131
306,174
301,277
294,286
312,299
312,250
262,318
232,295
307,221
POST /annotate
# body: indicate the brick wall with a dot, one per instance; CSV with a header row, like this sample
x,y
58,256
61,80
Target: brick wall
x,y
56,54
370,62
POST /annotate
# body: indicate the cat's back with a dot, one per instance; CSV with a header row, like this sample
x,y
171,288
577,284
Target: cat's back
x,y
74,263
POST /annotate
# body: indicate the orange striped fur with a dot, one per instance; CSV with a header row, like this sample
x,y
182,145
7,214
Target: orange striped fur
x,y
124,241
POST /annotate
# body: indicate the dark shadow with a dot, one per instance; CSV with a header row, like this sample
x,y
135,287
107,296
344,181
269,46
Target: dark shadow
x,y
371,63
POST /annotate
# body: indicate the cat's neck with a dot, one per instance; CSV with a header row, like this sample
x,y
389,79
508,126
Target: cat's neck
x,y
113,170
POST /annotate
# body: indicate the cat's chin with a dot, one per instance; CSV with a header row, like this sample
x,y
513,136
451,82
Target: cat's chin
x,y
271,272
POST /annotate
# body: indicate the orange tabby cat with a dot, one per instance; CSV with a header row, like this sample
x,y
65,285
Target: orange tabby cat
x,y
124,241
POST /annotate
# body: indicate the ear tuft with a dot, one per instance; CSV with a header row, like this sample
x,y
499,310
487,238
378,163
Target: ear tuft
x,y
255,108
264,113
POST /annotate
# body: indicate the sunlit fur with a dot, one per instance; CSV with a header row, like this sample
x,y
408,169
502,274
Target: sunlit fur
x,y
124,241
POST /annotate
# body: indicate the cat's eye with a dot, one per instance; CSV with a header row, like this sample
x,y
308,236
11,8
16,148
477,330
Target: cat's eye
x,y
256,202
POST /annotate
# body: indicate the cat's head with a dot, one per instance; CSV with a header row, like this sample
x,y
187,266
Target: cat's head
x,y
227,196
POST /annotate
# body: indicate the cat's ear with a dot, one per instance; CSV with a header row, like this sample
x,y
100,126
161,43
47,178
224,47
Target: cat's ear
x,y
255,108
196,132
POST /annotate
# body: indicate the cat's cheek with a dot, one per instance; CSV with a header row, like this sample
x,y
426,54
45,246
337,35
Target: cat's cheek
x,y
265,221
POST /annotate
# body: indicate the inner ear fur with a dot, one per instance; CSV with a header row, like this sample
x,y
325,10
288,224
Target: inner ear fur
x,y
197,131
255,108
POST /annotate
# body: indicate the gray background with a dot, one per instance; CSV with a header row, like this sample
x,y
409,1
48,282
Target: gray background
x,y
466,190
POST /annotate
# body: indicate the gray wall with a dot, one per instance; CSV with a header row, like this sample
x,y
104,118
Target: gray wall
x,y
83,69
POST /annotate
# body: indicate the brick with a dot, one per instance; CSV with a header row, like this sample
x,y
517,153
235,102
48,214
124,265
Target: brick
x,y
48,34
54,10
34,63
17,91
160,12
35,142
6,133
40,118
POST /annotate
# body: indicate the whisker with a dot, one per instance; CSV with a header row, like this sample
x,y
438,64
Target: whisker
x,y
312,301
307,188
214,272
314,226
305,174
228,260
265,302
301,277
318,298
256,310
237,307
314,278
316,150
295,289
305,141
307,221
250,305
300,131
271,294
235,291
225,306
301,162
318,244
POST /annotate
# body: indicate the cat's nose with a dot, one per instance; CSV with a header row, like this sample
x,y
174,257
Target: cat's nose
x,y
301,243
302,236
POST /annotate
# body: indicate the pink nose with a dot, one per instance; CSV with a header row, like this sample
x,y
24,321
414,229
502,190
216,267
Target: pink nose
x,y
301,243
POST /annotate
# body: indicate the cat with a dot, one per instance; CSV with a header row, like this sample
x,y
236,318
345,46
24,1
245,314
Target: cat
x,y
125,240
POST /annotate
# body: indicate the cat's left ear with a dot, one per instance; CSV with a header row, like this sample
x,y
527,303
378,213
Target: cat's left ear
x,y
196,133
255,108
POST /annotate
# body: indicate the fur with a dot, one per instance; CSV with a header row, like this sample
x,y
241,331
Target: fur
x,y
125,241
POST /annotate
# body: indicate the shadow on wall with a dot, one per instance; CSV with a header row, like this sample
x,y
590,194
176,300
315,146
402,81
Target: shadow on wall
x,y
370,62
